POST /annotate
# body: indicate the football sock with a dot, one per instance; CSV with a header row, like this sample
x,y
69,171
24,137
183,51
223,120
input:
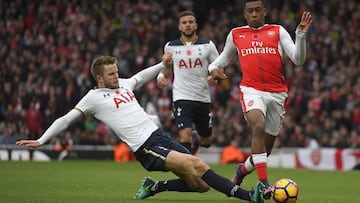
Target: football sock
x,y
178,185
248,167
261,167
187,146
224,185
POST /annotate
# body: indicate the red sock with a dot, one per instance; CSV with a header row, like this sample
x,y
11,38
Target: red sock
x,y
261,169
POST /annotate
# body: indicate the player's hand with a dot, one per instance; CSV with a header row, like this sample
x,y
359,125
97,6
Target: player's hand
x,y
167,59
211,80
161,82
306,20
28,143
218,74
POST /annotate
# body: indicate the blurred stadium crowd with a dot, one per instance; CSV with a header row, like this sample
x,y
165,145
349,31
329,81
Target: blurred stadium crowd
x,y
46,48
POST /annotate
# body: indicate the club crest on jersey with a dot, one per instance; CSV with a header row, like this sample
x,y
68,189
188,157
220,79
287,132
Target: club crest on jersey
x,y
271,33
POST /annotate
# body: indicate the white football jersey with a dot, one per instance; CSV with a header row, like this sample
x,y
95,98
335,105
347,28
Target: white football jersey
x,y
190,67
120,110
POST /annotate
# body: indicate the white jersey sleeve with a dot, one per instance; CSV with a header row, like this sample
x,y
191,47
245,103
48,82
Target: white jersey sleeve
x,y
295,51
226,55
146,75
213,53
60,125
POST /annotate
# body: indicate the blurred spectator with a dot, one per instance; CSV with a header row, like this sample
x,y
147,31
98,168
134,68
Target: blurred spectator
x,y
90,124
233,154
34,119
7,137
122,153
64,145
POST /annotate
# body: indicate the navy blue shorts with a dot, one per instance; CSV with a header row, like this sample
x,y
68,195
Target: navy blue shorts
x,y
153,152
187,113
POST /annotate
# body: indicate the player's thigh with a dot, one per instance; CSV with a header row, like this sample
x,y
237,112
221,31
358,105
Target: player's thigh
x,y
255,118
153,154
253,105
251,99
274,111
185,164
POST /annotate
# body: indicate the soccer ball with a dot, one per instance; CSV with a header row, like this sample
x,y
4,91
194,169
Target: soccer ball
x,y
285,191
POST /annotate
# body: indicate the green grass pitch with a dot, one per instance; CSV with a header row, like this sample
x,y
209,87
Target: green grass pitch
x,y
107,181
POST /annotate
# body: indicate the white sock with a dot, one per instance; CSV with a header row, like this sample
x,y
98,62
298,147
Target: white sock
x,y
248,165
259,158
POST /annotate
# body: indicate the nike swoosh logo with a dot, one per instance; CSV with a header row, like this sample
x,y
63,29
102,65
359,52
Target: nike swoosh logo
x,y
148,187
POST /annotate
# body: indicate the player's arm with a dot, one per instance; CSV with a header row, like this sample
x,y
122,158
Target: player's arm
x,y
151,72
165,72
55,128
296,52
213,54
215,68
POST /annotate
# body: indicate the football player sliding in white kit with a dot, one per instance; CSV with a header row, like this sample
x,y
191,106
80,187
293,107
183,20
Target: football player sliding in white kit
x,y
114,103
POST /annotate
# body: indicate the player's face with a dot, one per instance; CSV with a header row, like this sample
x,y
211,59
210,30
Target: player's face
x,y
254,13
187,25
110,77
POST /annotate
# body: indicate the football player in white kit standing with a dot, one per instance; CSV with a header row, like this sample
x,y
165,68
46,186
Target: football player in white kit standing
x,y
263,90
190,93
113,103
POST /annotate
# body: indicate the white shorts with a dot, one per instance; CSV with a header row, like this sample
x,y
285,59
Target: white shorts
x,y
271,104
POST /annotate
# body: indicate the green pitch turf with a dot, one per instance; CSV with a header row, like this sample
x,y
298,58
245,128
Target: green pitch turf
x,y
106,181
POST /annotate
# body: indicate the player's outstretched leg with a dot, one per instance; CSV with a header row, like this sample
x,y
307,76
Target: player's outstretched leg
x,y
145,189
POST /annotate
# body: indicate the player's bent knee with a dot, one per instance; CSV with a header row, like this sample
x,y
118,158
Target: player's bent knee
x,y
200,166
205,141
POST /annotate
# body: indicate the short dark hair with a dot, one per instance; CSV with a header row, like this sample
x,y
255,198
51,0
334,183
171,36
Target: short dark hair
x,y
97,66
186,13
246,1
